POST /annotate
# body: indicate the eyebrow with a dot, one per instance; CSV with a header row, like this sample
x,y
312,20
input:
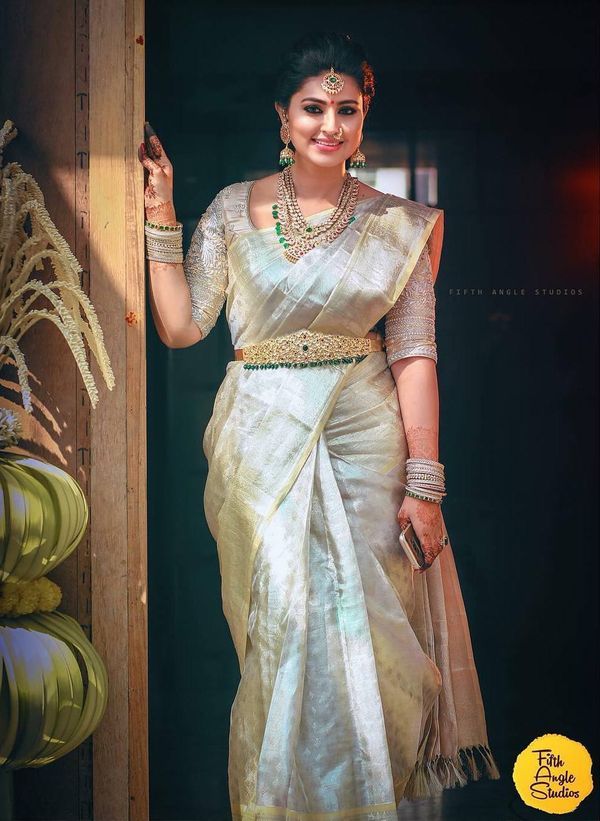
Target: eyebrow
x,y
324,102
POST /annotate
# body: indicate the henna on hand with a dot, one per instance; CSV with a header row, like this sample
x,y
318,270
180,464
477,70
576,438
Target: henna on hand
x,y
162,212
158,193
429,514
157,209
156,147
426,518
403,519
422,442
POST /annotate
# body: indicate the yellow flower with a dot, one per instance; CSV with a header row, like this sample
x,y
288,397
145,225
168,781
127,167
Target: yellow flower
x,y
22,598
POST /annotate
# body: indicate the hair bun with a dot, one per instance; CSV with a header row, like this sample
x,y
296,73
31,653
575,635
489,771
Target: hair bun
x,y
314,54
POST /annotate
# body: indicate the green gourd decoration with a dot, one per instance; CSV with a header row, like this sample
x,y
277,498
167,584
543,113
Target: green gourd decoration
x,y
54,689
53,683
43,516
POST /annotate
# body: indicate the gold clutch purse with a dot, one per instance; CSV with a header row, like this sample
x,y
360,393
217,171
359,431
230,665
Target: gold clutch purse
x,y
412,547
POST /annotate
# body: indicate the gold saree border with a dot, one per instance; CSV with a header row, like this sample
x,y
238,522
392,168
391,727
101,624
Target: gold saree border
x,y
252,812
432,229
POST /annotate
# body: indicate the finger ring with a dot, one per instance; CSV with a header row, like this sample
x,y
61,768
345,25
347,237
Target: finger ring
x,y
443,541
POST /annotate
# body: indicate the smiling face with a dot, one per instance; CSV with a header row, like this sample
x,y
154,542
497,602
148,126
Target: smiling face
x,y
325,129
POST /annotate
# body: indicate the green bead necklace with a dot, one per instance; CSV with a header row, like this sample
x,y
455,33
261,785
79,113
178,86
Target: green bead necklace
x,y
279,229
292,229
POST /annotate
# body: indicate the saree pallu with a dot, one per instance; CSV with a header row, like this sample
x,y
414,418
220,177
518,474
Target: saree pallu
x,y
358,684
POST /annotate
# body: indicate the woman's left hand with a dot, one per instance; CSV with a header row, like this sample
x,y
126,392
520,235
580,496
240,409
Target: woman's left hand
x,y
427,522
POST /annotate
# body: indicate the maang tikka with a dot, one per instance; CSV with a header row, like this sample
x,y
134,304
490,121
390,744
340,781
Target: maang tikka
x,y
332,82
286,155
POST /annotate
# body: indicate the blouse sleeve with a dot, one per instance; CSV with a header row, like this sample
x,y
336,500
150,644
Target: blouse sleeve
x,y
205,266
410,322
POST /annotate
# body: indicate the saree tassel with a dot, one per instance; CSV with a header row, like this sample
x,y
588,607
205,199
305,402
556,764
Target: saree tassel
x,y
423,782
470,764
428,778
490,767
453,775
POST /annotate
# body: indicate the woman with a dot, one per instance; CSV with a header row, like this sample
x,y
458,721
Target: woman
x,y
358,686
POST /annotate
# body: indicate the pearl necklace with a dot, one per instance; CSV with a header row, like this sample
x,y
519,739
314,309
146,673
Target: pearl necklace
x,y
295,233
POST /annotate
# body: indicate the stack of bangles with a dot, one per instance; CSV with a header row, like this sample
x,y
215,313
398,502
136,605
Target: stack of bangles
x,y
164,243
425,480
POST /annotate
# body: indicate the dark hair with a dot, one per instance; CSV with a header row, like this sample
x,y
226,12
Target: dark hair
x,y
314,54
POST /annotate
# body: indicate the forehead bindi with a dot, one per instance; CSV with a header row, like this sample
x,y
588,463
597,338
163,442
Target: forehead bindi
x,y
349,95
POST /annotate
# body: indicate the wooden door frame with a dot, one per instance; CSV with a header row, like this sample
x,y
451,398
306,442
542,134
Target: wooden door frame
x,y
72,80
118,429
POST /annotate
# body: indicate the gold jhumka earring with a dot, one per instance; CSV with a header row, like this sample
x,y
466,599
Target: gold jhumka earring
x,y
286,155
358,159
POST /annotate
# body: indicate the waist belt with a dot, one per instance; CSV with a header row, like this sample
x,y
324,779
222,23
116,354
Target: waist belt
x,y
303,349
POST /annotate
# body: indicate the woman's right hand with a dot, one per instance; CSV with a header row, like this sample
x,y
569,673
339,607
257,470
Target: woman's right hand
x,y
158,193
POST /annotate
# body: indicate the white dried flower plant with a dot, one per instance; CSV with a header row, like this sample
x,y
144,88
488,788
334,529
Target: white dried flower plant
x,y
20,254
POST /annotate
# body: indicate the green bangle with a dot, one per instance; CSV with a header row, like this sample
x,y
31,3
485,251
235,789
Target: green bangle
x,y
422,497
177,227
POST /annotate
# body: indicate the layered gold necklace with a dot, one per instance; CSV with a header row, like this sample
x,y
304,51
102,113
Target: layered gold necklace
x,y
295,233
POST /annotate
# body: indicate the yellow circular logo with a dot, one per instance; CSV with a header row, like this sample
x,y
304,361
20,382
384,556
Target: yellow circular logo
x,y
553,773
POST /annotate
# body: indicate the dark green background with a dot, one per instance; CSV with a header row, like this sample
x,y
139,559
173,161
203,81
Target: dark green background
x,y
506,95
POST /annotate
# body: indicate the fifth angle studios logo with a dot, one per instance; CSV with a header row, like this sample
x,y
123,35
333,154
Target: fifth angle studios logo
x,y
553,774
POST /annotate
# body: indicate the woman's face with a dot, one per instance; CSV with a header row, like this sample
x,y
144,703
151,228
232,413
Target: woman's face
x,y
325,129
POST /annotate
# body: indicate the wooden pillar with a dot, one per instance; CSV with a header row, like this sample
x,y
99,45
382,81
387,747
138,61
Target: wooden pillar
x,y
119,570
72,80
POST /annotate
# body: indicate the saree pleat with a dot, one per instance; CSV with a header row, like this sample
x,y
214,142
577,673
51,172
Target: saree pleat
x,y
358,684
